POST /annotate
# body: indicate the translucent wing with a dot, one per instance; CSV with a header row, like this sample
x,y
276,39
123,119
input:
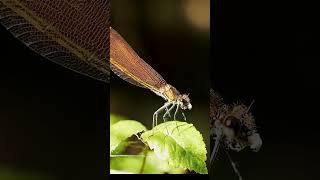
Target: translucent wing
x,y
72,33
123,76
125,62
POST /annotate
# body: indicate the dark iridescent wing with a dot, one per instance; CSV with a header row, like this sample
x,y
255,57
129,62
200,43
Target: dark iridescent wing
x,y
125,62
72,33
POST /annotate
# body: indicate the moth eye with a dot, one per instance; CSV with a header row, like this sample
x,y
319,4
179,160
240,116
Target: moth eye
x,y
184,101
233,123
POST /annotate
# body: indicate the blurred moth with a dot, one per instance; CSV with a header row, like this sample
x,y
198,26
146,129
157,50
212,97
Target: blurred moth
x,y
233,127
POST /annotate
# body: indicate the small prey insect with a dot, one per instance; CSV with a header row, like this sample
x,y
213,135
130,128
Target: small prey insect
x,y
233,127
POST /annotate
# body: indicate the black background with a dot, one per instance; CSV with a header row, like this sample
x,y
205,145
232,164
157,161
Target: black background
x,y
263,52
53,122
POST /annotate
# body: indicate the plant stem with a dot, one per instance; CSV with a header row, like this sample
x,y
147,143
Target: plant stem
x,y
144,160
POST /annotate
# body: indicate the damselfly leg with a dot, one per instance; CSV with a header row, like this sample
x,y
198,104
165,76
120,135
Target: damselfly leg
x,y
175,115
155,114
184,116
168,108
167,113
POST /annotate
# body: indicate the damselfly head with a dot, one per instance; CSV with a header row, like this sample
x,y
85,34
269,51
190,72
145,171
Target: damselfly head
x,y
185,102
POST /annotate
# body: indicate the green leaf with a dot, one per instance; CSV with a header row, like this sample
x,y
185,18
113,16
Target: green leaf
x,y
115,118
134,164
122,130
112,171
129,164
180,144
154,165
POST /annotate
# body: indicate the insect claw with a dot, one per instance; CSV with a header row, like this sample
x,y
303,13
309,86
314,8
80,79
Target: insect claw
x,y
184,116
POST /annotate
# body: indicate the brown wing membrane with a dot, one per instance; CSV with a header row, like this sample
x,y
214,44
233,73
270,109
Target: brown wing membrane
x,y
217,105
72,33
125,62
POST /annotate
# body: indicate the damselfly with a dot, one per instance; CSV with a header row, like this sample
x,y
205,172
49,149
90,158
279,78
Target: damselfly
x,y
125,62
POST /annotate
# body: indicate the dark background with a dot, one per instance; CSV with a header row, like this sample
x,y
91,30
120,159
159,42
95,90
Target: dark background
x,y
53,122
262,51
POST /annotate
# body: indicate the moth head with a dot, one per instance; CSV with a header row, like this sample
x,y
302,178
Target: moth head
x,y
239,129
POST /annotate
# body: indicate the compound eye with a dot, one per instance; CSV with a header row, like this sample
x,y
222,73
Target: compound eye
x,y
184,101
233,123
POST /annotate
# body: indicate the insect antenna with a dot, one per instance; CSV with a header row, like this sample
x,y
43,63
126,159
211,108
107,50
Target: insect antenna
x,y
250,105
233,164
